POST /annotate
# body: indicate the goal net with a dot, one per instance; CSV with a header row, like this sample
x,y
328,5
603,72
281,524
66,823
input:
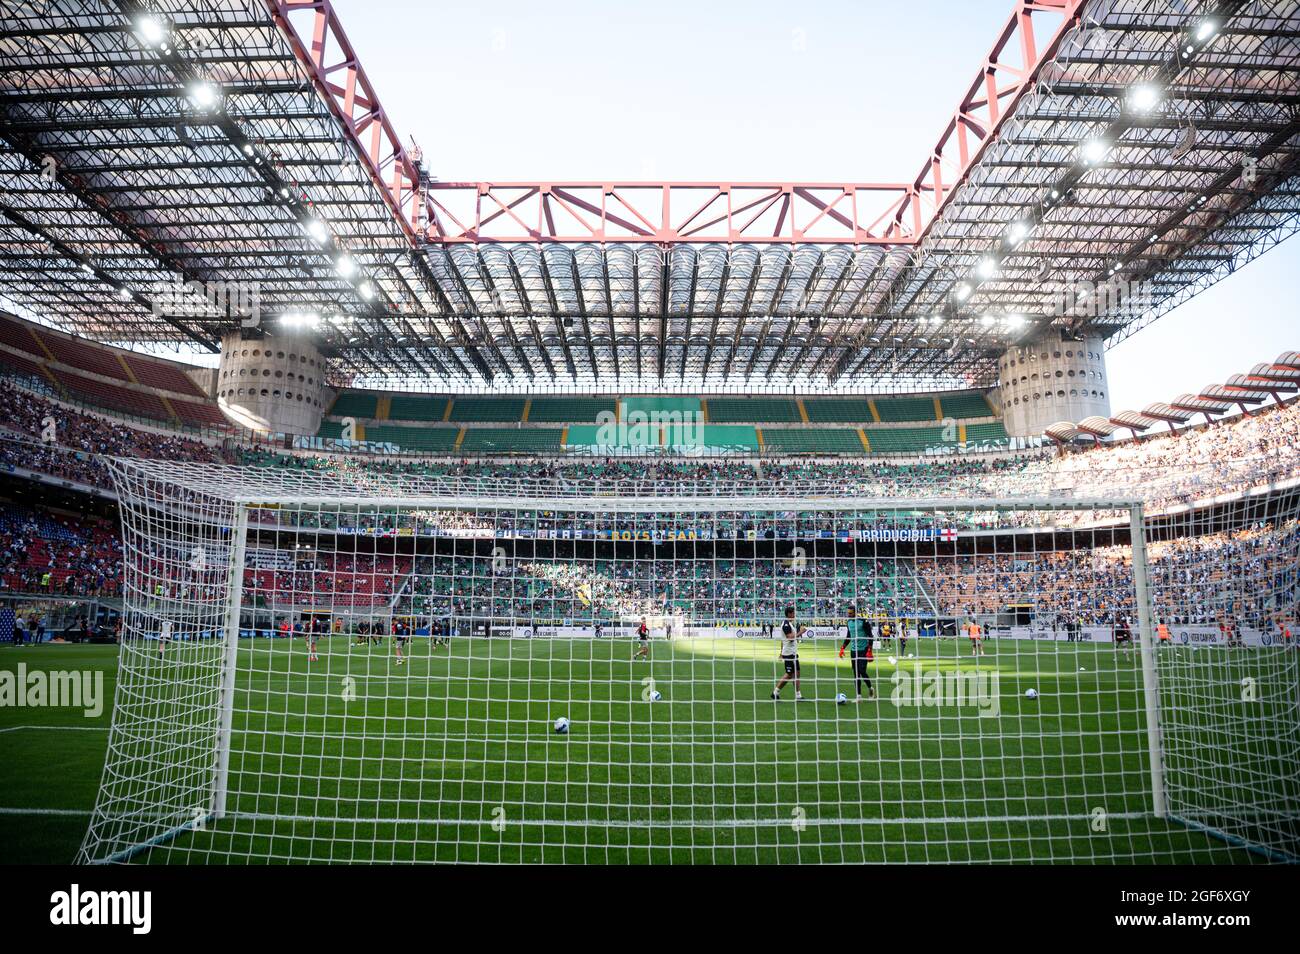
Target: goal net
x,y
348,666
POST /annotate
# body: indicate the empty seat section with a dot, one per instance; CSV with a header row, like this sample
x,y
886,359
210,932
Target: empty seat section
x,y
354,404
568,410
800,440
108,395
837,410
753,411
417,407
412,439
994,431
165,377
965,404
17,335
22,364
507,440
198,414
474,408
84,356
905,408
905,440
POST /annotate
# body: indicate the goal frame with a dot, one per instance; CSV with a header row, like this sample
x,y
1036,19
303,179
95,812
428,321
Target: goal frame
x,y
225,490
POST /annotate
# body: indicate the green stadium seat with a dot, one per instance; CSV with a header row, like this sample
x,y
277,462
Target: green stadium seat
x,y
807,440
476,407
415,439
568,410
965,404
417,407
753,410
506,440
905,440
994,431
354,404
895,409
837,410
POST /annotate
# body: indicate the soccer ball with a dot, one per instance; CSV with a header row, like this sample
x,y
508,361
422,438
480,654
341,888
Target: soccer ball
x,y
655,695
562,726
1031,693
840,698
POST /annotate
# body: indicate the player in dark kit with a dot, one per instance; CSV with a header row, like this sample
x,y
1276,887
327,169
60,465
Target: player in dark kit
x,y
643,634
858,641
1123,635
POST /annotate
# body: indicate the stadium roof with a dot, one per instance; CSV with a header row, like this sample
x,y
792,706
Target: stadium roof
x,y
1110,159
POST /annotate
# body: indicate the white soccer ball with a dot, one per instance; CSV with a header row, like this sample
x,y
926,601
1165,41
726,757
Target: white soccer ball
x,y
655,695
840,698
1031,693
911,655
562,725
893,660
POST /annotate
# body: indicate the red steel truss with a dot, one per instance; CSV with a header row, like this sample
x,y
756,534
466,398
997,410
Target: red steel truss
x,y
673,212
341,79
1012,67
761,213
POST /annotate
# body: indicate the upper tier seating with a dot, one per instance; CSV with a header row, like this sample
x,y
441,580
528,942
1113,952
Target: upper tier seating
x,y
165,377
854,410
894,409
799,440
478,408
111,396
568,410
754,410
966,404
507,440
418,407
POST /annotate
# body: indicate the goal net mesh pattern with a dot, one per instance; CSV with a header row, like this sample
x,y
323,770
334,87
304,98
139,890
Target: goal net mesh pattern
x,y
348,666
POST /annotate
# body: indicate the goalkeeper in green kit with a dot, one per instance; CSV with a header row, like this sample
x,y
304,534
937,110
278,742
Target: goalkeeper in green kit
x,y
858,641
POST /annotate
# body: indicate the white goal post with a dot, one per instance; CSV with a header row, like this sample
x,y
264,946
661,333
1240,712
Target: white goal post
x,y
347,665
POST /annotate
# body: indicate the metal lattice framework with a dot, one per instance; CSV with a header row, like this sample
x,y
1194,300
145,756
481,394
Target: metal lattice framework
x,y
1145,145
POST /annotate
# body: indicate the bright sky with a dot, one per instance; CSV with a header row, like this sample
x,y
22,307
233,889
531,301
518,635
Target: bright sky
x,y
759,89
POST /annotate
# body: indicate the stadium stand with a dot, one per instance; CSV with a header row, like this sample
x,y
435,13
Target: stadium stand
x,y
480,409
837,410
754,410
511,440
893,410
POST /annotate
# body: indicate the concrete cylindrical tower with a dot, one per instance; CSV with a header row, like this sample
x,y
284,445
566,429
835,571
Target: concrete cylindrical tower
x,y
275,384
1052,379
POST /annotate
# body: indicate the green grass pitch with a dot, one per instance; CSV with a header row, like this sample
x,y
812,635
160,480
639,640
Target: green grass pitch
x,y
452,757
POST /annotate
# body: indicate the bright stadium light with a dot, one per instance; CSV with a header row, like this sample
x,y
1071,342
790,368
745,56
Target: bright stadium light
x,y
300,319
152,31
963,291
1094,151
204,94
1144,98
366,290
345,265
315,228
986,268
1206,30
124,293
1015,322
986,320
1016,234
